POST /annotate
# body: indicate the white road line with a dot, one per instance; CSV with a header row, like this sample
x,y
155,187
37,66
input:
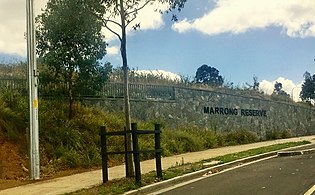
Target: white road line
x,y
310,191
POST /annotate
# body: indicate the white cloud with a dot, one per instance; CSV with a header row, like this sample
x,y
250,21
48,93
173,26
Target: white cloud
x,y
13,23
238,16
114,50
160,73
291,88
148,18
182,26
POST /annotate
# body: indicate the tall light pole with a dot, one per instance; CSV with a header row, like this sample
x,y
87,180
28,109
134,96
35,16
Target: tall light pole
x,y
33,96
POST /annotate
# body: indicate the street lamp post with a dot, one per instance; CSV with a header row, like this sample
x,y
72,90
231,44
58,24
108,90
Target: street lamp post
x,y
33,96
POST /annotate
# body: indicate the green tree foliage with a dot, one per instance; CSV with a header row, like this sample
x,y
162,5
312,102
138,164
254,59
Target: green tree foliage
x,y
12,125
255,85
71,44
277,87
208,75
308,88
278,90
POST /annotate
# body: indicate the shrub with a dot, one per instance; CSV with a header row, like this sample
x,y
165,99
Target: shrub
x,y
91,156
70,159
11,123
286,134
240,137
179,141
277,134
78,137
211,139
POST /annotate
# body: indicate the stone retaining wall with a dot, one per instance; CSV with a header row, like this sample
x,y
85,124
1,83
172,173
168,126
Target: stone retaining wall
x,y
219,111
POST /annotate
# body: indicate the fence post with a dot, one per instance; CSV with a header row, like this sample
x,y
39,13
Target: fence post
x,y
104,153
174,93
126,153
157,139
136,155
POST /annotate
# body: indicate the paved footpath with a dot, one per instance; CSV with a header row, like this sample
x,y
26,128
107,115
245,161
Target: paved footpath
x,y
89,179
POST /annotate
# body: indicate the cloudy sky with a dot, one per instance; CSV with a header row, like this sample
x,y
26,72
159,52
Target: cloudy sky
x,y
272,39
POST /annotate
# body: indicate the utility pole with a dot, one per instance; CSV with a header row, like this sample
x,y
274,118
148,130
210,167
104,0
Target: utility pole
x,y
33,96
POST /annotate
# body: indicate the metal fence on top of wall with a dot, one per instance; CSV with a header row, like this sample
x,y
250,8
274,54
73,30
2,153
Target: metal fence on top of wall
x,y
109,90
13,84
139,91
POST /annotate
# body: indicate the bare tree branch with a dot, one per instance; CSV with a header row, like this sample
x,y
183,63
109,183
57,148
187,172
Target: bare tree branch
x,y
133,18
115,33
116,8
113,14
105,21
141,7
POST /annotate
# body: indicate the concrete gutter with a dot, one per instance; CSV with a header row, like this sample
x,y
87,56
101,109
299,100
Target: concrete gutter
x,y
293,153
216,169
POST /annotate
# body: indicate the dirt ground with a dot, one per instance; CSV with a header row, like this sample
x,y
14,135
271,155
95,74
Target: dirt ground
x,y
13,169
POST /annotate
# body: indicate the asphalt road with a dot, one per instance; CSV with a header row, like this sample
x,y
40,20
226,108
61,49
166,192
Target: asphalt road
x,y
280,175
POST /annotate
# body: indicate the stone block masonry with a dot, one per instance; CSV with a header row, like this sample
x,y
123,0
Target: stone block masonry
x,y
218,111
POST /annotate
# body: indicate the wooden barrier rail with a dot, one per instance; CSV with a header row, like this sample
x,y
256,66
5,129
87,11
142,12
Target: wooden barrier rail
x,y
136,152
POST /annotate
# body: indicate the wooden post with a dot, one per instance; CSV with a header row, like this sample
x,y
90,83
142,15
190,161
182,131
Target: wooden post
x,y
126,154
104,153
157,139
136,155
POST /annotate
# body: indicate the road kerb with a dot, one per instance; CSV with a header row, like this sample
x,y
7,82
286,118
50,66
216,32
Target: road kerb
x,y
310,191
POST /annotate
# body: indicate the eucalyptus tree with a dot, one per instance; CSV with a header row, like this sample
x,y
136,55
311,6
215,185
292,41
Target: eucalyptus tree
x,y
70,41
120,14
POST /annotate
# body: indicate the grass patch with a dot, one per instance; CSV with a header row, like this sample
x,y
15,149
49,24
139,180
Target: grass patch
x,y
252,152
120,186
